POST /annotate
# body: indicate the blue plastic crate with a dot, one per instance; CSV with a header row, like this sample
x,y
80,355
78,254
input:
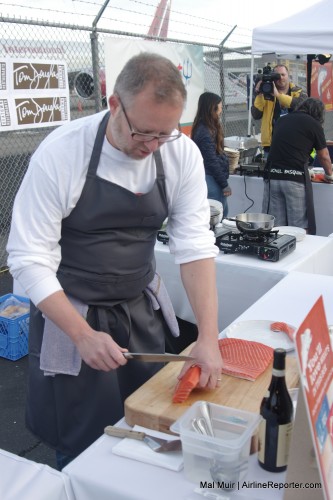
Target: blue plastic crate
x,y
14,333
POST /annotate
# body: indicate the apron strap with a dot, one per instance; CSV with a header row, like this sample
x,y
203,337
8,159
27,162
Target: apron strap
x,y
98,144
309,202
159,164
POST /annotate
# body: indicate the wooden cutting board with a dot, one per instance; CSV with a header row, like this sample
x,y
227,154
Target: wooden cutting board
x,y
151,405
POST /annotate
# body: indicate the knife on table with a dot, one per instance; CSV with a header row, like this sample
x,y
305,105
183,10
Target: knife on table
x,y
151,357
156,444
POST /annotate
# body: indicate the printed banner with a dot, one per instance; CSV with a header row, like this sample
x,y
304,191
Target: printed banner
x,y
33,94
187,58
315,356
322,83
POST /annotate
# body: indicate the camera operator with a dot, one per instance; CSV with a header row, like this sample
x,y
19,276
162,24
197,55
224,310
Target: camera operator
x,y
284,97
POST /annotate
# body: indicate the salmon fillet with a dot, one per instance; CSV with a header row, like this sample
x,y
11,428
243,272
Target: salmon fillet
x,y
243,358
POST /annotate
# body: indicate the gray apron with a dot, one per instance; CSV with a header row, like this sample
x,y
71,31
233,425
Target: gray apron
x,y
107,245
310,211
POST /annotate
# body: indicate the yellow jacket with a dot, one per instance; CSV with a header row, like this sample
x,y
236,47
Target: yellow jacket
x,y
264,109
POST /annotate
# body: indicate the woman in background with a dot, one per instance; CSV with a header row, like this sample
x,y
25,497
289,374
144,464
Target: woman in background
x,y
207,133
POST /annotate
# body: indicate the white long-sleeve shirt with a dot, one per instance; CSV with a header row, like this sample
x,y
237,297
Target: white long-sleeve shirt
x,y
53,185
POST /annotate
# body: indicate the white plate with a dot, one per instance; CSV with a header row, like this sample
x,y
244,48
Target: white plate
x,y
260,331
298,232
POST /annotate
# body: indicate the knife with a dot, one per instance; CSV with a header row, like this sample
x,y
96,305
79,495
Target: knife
x,y
150,357
156,444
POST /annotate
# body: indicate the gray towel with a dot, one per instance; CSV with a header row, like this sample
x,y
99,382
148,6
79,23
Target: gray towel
x,y
159,297
58,353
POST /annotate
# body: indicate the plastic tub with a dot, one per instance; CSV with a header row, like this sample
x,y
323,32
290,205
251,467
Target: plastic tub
x,y
223,458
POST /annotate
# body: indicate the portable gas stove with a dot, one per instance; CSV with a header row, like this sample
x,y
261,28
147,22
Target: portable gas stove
x,y
269,246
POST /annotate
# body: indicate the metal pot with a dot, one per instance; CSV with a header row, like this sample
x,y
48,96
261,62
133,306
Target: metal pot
x,y
254,223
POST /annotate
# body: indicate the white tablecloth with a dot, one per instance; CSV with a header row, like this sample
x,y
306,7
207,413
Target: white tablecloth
x,y
22,479
99,474
292,298
243,186
241,279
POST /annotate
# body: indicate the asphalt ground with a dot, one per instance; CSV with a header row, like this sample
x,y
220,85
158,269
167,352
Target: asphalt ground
x,y
14,436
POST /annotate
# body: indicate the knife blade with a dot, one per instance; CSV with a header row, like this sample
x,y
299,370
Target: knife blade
x,y
151,357
156,444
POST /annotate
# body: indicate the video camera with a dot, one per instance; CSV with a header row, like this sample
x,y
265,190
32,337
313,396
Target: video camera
x,y
268,77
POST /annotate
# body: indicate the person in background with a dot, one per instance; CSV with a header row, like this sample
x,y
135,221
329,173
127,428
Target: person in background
x,y
207,133
287,186
81,245
285,98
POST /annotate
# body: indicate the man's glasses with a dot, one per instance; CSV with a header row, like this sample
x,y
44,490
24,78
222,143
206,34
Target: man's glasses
x,y
140,137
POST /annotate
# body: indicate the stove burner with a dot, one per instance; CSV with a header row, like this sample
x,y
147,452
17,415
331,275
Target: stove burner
x,y
259,236
266,246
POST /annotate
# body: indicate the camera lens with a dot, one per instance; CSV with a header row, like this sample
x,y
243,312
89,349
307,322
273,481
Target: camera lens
x,y
267,87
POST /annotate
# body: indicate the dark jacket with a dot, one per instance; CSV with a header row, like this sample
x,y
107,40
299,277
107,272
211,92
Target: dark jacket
x,y
216,165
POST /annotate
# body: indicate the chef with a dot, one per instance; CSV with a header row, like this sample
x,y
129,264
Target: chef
x,y
82,247
287,187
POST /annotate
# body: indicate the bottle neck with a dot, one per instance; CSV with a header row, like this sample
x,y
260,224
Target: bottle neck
x,y
278,373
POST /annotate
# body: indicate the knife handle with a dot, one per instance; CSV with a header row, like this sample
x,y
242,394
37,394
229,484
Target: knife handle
x,y
110,430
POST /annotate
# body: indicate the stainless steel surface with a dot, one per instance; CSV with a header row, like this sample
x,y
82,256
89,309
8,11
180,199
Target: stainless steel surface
x,y
156,444
200,426
254,223
157,358
241,142
205,410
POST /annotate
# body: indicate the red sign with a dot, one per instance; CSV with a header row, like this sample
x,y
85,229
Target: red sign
x,y
315,356
322,83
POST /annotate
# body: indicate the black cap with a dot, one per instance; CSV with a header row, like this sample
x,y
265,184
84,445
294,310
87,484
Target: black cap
x,y
279,362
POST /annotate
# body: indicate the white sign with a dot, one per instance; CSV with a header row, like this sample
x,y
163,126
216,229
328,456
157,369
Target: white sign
x,y
33,93
187,58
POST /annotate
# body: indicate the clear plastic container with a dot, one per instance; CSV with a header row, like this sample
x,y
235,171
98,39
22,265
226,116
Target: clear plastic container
x,y
222,458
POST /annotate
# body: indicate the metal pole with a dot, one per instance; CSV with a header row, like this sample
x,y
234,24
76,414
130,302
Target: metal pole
x,y
250,97
222,86
95,59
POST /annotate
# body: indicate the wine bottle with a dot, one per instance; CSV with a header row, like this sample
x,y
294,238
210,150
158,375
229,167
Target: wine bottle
x,y
275,428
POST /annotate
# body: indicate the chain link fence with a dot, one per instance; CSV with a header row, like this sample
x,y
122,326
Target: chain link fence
x,y
226,72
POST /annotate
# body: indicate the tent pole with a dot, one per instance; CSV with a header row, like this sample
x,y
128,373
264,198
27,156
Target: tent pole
x,y
251,96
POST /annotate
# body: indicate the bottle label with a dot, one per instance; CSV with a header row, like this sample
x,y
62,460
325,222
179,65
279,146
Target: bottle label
x,y
284,438
280,448
278,373
262,441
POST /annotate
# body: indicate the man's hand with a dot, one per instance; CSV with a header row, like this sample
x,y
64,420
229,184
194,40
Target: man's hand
x,y
257,88
100,351
97,349
207,356
328,178
227,191
276,93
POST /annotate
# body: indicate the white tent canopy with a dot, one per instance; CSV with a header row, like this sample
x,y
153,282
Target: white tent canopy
x,y
308,32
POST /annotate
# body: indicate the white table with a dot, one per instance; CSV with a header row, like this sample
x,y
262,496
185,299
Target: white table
x,y
25,479
292,298
98,474
243,186
242,279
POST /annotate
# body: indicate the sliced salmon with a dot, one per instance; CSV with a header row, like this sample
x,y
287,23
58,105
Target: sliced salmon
x,y
243,358
186,384
280,326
